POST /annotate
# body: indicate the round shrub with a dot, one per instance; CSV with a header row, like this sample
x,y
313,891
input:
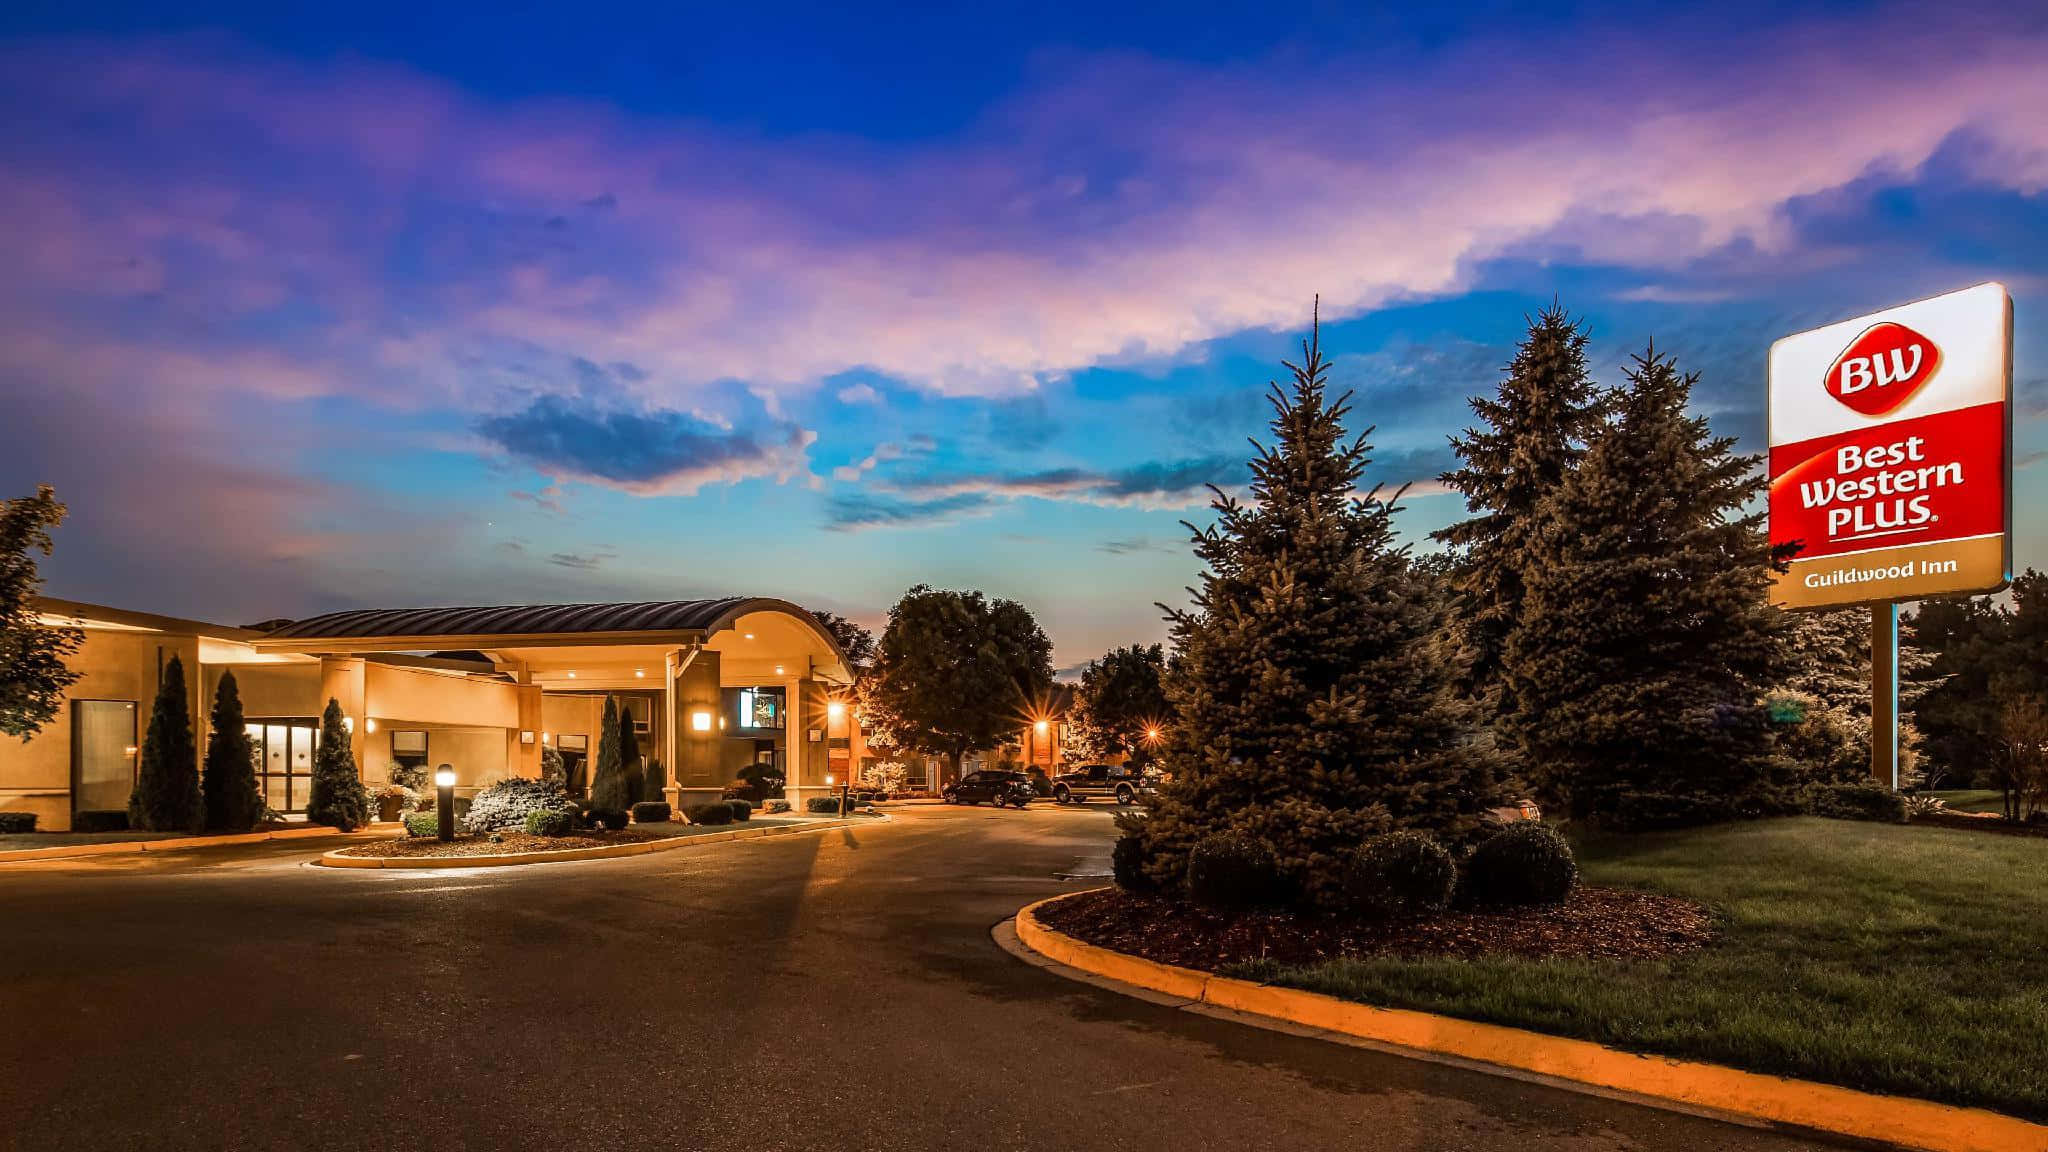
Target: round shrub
x,y
1227,870
1526,863
611,818
652,812
17,822
1400,874
823,805
1127,863
741,809
507,804
422,825
775,807
551,822
718,813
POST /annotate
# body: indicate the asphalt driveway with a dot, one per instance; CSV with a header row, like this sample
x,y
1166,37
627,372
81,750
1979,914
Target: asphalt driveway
x,y
837,990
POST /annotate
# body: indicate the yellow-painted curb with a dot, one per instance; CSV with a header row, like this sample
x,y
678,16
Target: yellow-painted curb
x,y
174,844
1823,1107
337,858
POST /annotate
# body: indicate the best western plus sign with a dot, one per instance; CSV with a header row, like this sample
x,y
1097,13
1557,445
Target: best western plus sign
x,y
1890,453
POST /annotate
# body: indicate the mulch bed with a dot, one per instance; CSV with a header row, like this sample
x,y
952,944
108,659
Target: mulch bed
x,y
508,843
1986,822
1596,923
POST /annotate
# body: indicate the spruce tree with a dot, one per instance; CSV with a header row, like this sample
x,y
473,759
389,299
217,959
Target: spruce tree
x,y
1315,708
608,783
1530,436
337,797
629,758
166,796
1646,644
228,783
657,780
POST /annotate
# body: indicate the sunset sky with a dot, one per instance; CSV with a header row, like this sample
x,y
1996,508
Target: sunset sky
x,y
411,304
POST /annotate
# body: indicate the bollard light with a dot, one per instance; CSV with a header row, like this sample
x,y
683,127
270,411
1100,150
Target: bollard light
x,y
444,802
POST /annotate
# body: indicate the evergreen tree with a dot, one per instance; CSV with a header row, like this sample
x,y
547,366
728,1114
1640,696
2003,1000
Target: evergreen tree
x,y
1824,698
1645,645
1314,707
166,796
629,758
1531,435
657,779
337,797
608,783
1985,654
228,783
33,675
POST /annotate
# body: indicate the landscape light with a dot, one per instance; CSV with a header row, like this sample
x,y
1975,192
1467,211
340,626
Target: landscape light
x,y
445,778
444,802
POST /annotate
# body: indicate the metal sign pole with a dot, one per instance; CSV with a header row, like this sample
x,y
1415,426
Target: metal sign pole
x,y
1884,694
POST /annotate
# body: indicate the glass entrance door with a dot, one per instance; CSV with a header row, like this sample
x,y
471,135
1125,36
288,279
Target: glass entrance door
x,y
102,755
284,761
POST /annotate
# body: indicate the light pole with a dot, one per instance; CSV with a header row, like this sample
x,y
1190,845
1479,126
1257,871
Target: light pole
x,y
444,802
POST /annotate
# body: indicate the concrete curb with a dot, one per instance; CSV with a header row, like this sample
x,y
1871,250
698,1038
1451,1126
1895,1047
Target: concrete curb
x,y
179,844
1896,1120
335,859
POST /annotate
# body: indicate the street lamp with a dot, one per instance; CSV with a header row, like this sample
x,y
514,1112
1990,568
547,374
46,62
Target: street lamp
x,y
444,802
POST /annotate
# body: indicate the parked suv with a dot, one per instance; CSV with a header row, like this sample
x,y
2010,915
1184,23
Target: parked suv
x,y
1126,786
993,785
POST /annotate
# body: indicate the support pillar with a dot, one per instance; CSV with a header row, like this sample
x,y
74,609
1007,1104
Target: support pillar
x,y
343,679
1884,695
699,764
521,757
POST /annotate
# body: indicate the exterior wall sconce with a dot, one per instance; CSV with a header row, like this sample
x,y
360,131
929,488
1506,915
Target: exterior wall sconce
x,y
348,723
700,721
370,726
834,709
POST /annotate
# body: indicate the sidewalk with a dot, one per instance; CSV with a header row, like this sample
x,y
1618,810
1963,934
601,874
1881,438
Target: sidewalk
x,y
164,842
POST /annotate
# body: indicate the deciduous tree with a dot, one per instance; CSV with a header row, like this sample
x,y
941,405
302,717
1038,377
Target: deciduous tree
x,y
33,675
1120,708
956,671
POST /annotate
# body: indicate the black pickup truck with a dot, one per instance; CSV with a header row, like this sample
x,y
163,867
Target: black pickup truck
x,y
1126,786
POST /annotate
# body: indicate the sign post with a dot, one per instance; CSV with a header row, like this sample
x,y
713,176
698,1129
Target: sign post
x,y
1890,469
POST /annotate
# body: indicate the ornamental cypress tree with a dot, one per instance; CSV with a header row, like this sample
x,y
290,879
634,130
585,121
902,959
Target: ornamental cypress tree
x,y
657,780
629,758
1315,708
337,797
1531,435
1639,664
166,796
608,784
228,783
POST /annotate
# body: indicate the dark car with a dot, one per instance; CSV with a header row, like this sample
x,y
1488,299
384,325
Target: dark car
x,y
994,786
1125,785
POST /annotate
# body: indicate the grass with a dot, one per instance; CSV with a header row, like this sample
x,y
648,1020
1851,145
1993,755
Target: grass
x,y
1973,800
1884,957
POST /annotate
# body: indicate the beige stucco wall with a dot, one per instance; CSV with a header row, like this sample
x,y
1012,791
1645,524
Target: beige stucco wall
x,y
36,776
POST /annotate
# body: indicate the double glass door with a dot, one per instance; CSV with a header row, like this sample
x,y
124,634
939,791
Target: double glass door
x,y
284,760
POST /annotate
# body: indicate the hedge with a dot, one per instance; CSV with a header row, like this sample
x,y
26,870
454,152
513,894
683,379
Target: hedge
x,y
17,822
715,813
741,809
100,820
652,812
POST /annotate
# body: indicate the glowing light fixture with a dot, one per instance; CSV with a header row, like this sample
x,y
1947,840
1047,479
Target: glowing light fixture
x,y
750,635
640,673
700,721
1040,727
778,669
445,777
835,709
369,725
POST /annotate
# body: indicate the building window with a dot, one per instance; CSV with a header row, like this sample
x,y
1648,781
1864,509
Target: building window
x,y
409,749
759,708
103,749
575,752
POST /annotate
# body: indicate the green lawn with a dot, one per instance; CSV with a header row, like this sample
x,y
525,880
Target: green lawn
x,y
1973,800
1884,957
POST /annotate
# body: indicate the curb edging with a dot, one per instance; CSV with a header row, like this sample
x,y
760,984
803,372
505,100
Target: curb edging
x,y
1897,1120
335,858
169,844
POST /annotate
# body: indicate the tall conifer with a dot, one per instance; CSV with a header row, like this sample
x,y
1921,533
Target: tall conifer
x,y
608,788
1640,660
228,783
337,797
1530,436
1314,708
166,796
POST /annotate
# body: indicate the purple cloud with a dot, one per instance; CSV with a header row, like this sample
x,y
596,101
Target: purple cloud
x,y
650,452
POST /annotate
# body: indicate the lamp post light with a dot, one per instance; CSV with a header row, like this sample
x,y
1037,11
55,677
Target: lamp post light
x,y
444,802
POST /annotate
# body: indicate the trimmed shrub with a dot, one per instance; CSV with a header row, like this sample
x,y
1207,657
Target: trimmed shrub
x,y
507,803
1526,863
100,820
1865,800
612,819
716,813
1400,874
422,825
822,805
1127,863
551,822
17,822
652,812
776,807
1228,870
741,809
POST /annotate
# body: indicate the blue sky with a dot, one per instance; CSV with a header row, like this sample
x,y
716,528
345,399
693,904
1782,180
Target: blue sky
x,y
420,304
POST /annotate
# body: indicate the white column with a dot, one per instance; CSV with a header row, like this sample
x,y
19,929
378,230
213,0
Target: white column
x,y
668,731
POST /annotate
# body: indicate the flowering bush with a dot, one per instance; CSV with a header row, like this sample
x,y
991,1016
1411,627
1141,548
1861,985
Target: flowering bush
x,y
508,803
